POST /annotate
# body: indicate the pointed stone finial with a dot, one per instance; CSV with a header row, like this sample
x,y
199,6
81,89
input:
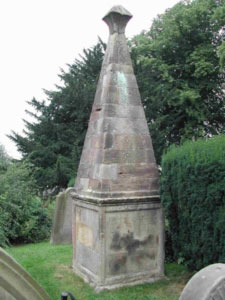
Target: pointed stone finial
x,y
117,19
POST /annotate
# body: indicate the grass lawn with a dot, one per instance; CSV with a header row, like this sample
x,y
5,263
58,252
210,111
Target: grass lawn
x,y
51,266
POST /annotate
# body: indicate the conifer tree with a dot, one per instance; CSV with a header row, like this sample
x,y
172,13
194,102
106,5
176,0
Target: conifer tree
x,y
53,142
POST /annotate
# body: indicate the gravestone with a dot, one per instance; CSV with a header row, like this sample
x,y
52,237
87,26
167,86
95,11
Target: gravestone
x,y
62,222
16,283
118,224
207,284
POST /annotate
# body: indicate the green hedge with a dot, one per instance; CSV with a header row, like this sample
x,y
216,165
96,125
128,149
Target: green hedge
x,y
23,218
193,195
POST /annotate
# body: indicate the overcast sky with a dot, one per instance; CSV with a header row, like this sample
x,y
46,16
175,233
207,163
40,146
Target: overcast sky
x,y
39,37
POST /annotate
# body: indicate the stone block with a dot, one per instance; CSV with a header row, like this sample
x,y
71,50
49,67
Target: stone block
x,y
119,79
134,156
112,94
122,68
62,222
125,141
118,126
148,170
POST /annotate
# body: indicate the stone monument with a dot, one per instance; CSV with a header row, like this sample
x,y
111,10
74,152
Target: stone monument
x,y
16,283
207,284
62,222
118,224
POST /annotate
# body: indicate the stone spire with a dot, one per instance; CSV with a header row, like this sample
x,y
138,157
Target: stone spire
x,y
117,161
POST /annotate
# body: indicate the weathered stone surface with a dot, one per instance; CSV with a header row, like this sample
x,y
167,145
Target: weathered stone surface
x,y
118,133
4,295
118,225
207,284
62,222
16,283
118,245
112,94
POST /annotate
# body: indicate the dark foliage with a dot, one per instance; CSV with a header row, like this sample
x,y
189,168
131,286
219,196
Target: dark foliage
x,y
54,142
23,219
193,195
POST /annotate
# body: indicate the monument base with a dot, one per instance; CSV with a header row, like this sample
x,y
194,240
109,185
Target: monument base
x,y
119,242
140,278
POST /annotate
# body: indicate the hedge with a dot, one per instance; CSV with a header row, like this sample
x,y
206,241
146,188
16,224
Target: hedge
x,y
23,218
193,195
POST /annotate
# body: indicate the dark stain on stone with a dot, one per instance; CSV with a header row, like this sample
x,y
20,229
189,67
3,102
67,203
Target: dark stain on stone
x,y
117,265
128,242
98,109
142,255
116,242
108,141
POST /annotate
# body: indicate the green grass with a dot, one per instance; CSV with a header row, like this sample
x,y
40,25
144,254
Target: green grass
x,y
51,266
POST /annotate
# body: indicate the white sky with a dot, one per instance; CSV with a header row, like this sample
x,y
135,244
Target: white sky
x,y
38,37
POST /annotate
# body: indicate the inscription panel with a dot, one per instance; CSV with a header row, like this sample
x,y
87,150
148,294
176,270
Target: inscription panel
x,y
87,238
84,235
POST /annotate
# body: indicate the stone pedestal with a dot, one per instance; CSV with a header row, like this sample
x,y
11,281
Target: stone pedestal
x,y
117,215
118,244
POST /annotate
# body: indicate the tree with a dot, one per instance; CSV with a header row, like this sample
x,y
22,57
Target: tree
x,y
4,159
54,142
221,54
178,72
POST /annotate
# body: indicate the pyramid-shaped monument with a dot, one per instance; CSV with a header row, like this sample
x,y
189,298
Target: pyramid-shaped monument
x,y
117,218
118,159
